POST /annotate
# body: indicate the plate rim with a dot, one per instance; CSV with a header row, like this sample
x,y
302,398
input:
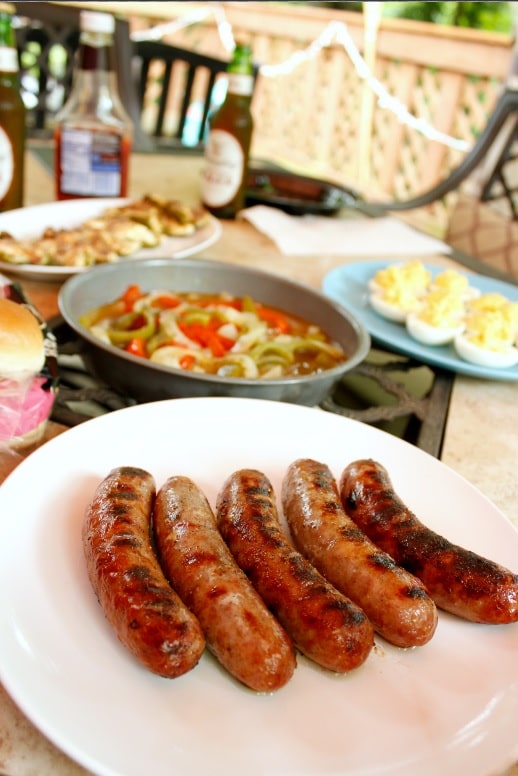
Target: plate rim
x,y
53,273
402,342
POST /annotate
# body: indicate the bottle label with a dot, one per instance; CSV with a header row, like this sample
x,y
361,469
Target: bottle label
x,y
240,83
8,60
224,168
6,163
90,163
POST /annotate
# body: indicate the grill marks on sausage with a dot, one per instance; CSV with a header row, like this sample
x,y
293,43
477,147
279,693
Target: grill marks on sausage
x,y
325,626
459,580
241,632
394,600
147,615
152,621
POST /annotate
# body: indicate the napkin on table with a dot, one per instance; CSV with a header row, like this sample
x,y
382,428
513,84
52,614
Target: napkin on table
x,y
307,235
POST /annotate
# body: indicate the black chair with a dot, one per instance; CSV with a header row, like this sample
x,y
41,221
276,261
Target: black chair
x,y
198,74
47,38
504,111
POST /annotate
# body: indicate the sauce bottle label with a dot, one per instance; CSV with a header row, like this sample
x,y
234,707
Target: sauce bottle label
x,y
6,163
224,168
90,163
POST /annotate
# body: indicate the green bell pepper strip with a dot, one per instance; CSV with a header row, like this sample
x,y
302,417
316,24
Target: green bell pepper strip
x,y
122,332
268,350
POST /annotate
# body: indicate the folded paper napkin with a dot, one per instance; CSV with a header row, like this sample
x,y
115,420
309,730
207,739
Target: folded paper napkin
x,y
309,235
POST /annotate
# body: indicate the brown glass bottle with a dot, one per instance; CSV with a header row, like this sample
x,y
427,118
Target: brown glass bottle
x,y
93,134
228,144
12,116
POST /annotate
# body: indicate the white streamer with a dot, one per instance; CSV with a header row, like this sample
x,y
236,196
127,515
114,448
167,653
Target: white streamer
x,y
168,28
334,31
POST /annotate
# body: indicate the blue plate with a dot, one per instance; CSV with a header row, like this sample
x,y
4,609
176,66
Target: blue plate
x,y
348,285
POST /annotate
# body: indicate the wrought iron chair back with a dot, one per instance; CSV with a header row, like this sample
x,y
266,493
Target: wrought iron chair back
x,y
498,184
482,228
196,76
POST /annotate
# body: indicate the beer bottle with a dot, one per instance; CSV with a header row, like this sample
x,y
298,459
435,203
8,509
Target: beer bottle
x,y
12,116
228,143
93,132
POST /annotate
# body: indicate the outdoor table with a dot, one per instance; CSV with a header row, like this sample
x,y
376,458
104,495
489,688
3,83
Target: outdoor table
x,y
478,439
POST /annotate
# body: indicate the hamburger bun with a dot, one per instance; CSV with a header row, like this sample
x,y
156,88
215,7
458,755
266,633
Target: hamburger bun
x,y
22,349
25,398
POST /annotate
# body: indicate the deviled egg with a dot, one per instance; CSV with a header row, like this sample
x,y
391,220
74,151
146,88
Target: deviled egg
x,y
489,338
411,274
439,319
455,282
397,289
489,301
395,303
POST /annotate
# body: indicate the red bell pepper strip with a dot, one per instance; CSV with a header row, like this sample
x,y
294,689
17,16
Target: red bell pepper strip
x,y
137,347
130,296
206,337
187,361
165,302
274,318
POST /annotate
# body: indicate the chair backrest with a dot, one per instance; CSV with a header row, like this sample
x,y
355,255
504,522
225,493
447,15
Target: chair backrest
x,y
499,179
483,222
176,91
47,38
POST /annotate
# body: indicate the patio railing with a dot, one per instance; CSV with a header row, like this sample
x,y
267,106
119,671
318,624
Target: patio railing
x,y
320,113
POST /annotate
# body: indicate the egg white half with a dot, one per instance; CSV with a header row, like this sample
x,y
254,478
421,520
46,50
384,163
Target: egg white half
x,y
431,335
389,311
496,359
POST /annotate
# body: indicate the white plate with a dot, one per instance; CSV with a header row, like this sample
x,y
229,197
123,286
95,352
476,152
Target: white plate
x,y
449,707
30,222
347,285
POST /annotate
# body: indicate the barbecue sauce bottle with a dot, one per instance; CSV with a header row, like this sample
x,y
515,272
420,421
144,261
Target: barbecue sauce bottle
x,y
228,144
12,116
93,134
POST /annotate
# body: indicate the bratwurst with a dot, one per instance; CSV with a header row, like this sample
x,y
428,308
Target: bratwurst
x,y
394,600
240,631
459,581
147,615
324,624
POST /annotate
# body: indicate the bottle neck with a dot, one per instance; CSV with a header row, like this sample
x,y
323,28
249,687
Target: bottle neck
x,y
8,50
96,88
96,54
94,77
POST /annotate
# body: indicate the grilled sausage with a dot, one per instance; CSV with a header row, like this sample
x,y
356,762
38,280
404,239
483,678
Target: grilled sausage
x,y
240,631
325,625
394,600
147,615
459,581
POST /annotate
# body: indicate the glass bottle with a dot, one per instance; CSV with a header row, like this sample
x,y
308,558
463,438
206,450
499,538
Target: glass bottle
x,y
12,116
93,133
228,143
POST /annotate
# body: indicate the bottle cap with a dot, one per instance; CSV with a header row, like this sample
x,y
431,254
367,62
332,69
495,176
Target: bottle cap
x,y
7,8
92,21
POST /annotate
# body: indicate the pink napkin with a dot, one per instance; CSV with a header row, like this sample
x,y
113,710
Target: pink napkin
x,y
309,235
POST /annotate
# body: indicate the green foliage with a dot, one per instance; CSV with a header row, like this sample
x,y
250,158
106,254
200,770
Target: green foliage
x,y
490,16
